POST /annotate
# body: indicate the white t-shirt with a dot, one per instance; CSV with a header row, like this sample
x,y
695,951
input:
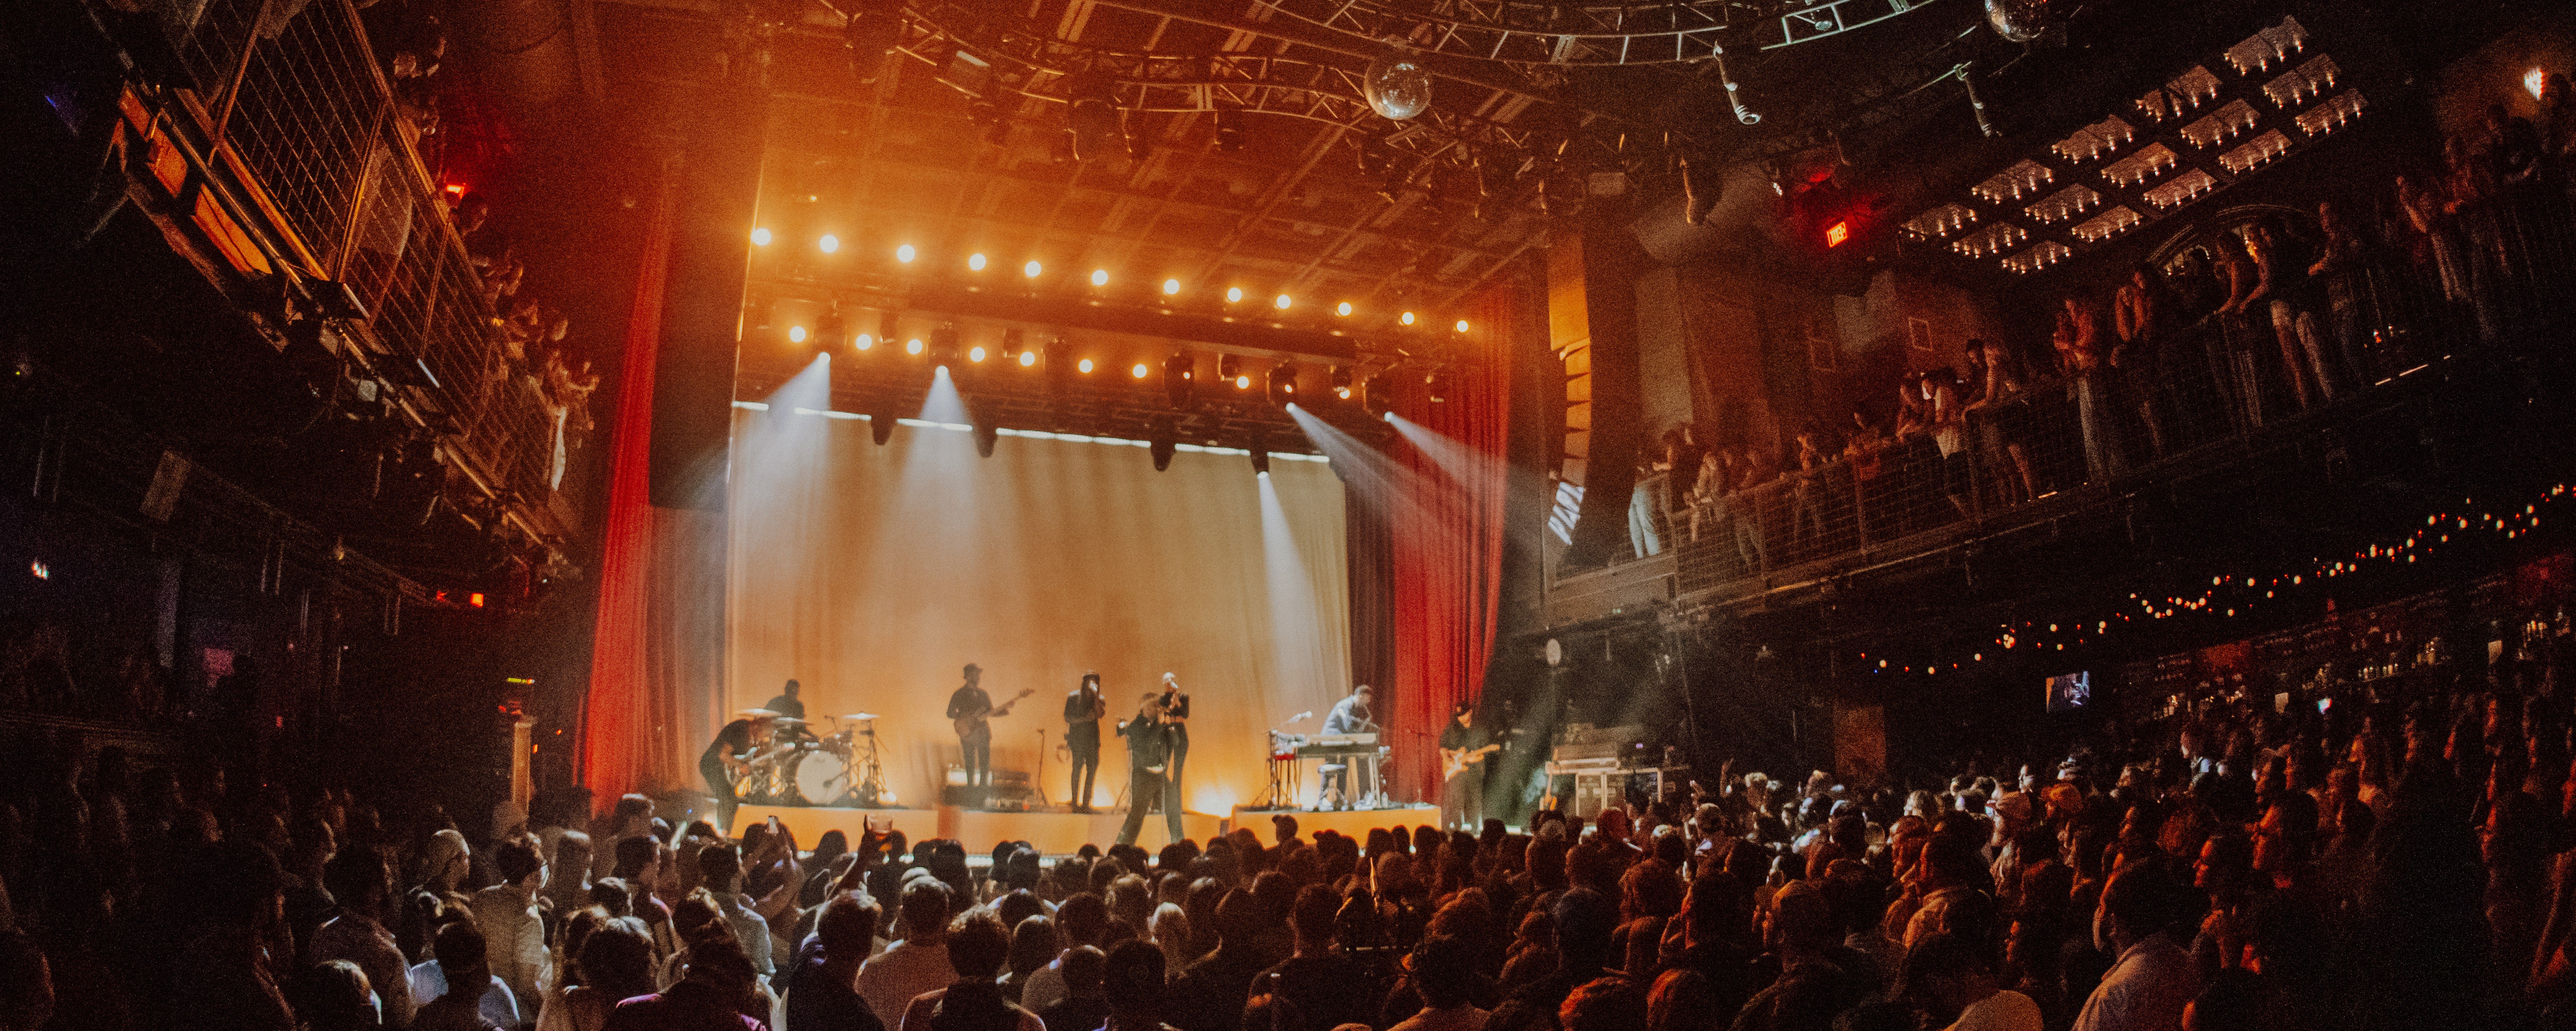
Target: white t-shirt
x,y
2006,1010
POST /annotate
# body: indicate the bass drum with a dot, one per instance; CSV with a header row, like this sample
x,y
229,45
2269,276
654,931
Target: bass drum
x,y
818,778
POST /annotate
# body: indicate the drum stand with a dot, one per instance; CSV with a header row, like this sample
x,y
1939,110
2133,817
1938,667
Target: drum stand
x,y
865,769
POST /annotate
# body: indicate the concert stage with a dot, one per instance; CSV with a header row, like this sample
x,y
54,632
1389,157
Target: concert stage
x,y
1355,823
1053,832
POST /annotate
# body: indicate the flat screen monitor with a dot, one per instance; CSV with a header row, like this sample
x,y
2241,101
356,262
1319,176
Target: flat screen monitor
x,y
2070,692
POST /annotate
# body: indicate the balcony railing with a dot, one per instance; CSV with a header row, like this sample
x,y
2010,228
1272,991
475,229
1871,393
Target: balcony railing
x,y
2213,389
300,127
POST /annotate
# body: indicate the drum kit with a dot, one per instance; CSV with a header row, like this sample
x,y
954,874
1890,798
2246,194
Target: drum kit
x,y
798,768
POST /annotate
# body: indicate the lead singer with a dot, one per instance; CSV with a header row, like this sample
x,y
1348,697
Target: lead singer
x,y
1176,721
1148,750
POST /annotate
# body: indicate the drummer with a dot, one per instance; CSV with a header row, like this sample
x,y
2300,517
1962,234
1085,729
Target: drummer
x,y
726,756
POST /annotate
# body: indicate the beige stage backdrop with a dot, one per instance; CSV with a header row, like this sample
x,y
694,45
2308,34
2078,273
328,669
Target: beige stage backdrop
x,y
873,574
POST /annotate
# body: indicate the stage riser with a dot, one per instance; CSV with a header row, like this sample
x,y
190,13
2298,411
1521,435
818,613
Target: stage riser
x,y
1051,833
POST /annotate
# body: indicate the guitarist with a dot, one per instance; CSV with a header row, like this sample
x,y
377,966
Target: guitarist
x,y
1463,748
969,712
727,757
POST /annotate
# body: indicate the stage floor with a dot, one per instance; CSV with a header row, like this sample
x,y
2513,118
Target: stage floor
x,y
1354,823
1053,832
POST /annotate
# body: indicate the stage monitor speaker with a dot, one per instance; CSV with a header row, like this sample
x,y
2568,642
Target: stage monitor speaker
x,y
703,297
1011,792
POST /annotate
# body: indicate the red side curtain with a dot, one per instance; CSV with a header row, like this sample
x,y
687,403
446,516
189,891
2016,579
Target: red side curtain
x,y
621,713
1446,550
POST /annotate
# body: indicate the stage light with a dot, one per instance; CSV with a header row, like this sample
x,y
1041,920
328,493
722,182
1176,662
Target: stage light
x,y
1462,325
912,346
1341,380
795,334
905,254
1283,384
1032,269
1406,318
1282,301
1233,294
1836,233
1374,397
1084,365
1229,367
1092,115
976,355
872,32
1171,286
866,341
1343,308
1260,448
1243,383
1180,375
1229,129
1139,371
975,263
1028,358
1100,277
828,243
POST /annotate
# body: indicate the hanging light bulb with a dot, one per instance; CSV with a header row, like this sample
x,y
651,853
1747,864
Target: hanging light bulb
x,y
1397,84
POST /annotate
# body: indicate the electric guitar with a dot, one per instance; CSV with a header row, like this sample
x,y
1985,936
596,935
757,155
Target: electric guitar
x,y
1455,761
971,722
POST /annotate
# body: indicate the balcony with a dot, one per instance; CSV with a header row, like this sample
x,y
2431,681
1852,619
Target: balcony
x,y
282,163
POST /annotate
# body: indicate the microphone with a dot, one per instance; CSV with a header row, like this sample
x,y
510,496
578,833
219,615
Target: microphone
x,y
1301,717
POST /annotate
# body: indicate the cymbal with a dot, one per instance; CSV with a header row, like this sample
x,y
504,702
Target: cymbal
x,y
756,714
856,716
789,719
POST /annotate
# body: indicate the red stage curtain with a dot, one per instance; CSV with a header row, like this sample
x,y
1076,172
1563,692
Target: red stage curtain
x,y
632,701
1446,552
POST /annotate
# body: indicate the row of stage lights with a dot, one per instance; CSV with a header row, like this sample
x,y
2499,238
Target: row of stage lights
x,y
907,254
1180,370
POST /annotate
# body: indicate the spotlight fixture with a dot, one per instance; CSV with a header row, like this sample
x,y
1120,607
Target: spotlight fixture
x,y
975,354
1282,301
830,330
1260,448
1032,269
912,346
1243,382
795,334
828,243
1092,116
1343,308
1139,371
904,253
1229,368
1437,385
1406,318
1100,277
1233,294
866,341
975,263
873,31
1179,374
1171,286
1376,398
1283,384
1085,365
1159,440
1341,381
1028,358
1462,325
760,237
1977,101
1229,129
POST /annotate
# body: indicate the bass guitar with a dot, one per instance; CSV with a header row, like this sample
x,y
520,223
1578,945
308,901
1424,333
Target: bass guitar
x,y
972,722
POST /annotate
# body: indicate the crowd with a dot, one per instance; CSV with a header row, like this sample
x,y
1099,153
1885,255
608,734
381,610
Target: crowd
x,y
2251,322
2379,864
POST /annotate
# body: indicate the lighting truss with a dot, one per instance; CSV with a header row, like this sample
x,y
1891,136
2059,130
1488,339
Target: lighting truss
x,y
1039,64
1531,32
2207,127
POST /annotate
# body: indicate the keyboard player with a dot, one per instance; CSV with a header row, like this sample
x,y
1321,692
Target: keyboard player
x,y
1352,715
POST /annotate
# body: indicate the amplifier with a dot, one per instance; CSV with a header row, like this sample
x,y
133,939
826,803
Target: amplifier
x,y
1011,792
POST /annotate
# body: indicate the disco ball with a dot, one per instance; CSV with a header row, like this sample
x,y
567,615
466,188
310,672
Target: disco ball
x,y
2022,21
1398,86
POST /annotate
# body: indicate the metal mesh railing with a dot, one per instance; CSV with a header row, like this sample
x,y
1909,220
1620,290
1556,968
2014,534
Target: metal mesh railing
x,y
316,127
304,120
